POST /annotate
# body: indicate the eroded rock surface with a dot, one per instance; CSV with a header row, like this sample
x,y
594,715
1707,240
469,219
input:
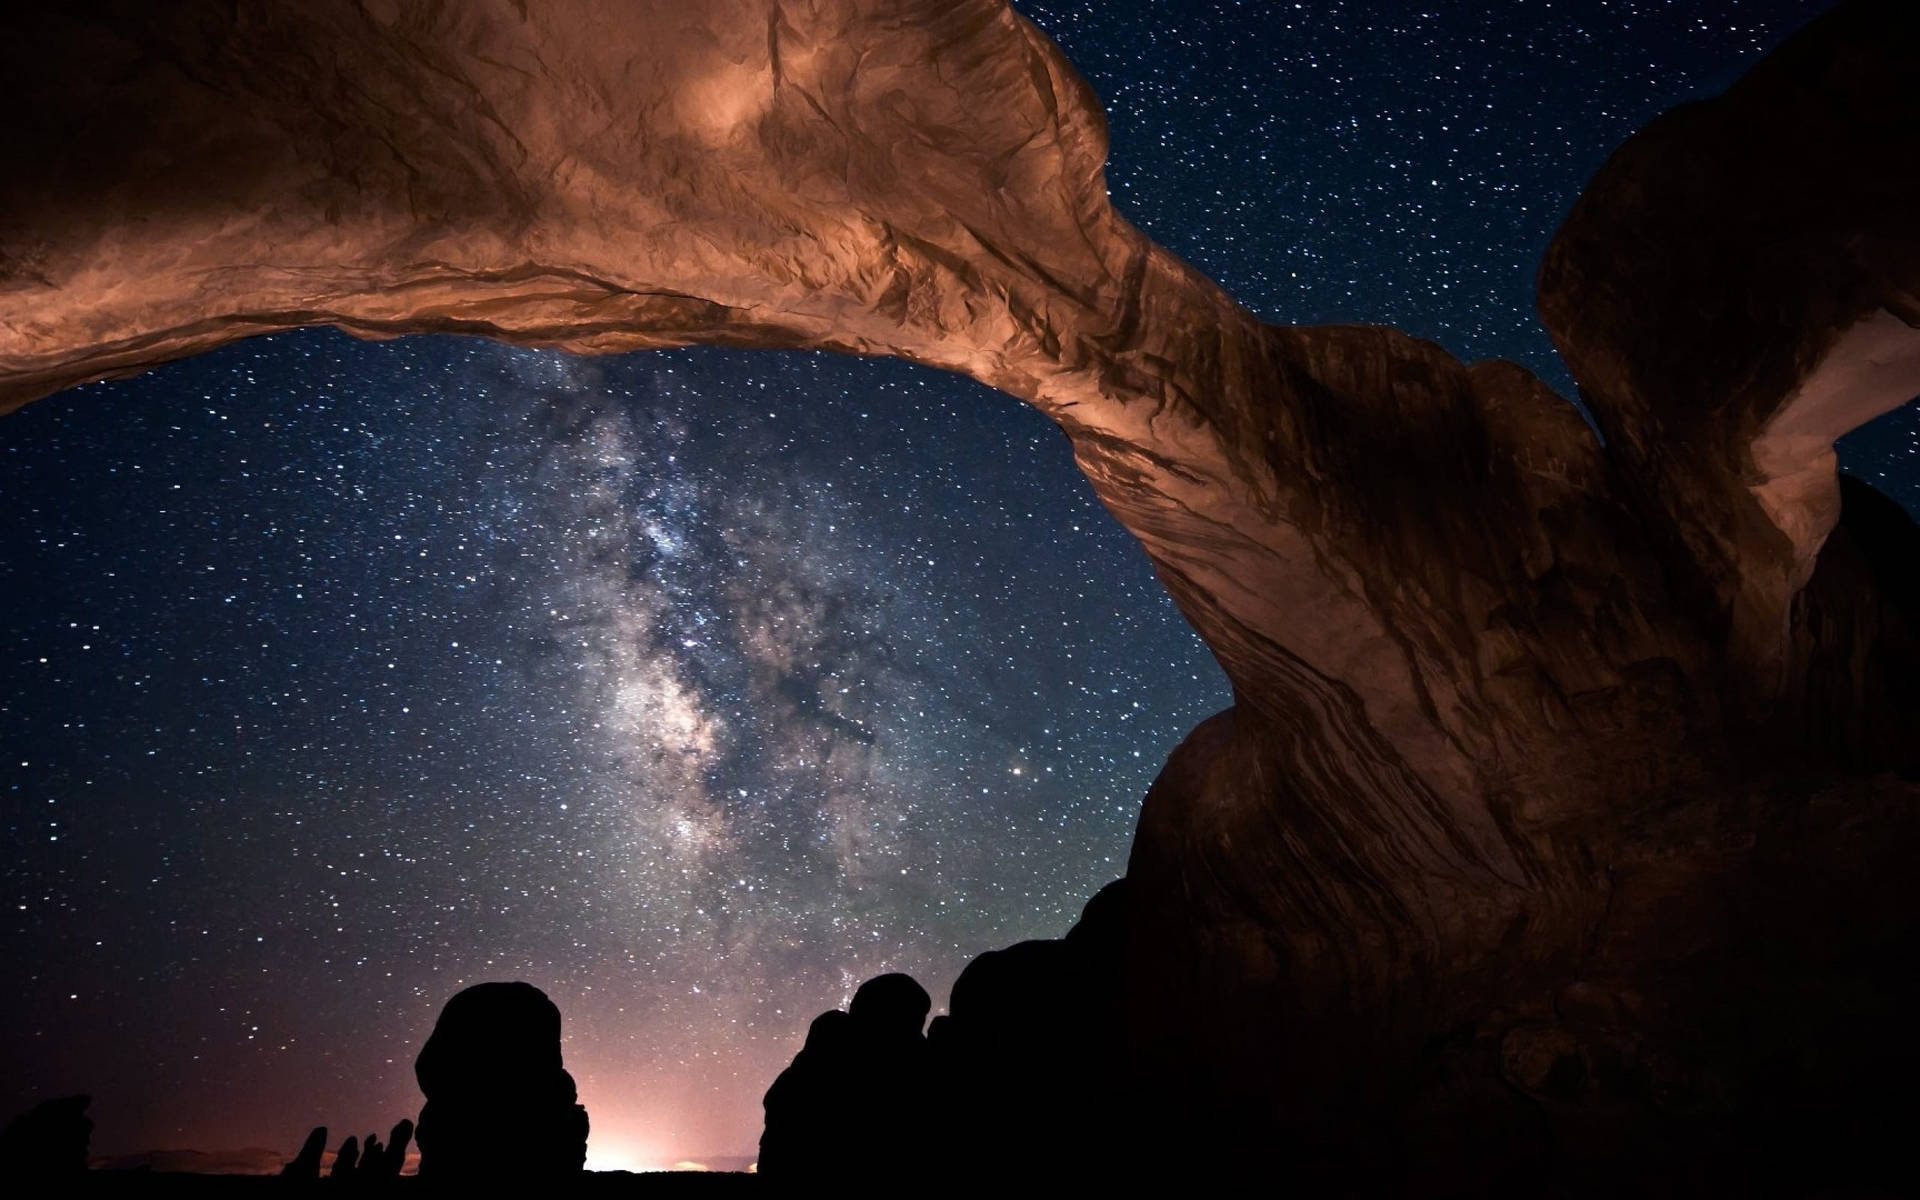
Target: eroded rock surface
x,y
1513,713
1407,566
1738,287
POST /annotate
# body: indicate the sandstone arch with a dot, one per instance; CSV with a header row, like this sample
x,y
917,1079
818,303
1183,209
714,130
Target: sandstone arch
x,y
1485,671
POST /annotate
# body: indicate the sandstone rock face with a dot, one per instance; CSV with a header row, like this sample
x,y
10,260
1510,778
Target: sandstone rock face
x,y
1768,236
1513,712
1405,564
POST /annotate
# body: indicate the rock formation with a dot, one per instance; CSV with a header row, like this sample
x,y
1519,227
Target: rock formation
x,y
357,1159
1575,773
385,1162
1786,290
1031,1062
1028,1076
806,1106
306,1164
46,1146
856,1101
500,1105
346,1161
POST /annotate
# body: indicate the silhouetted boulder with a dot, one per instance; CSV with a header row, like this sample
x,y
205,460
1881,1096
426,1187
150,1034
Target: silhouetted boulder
x,y
1028,1063
346,1164
806,1106
384,1162
891,1005
47,1143
499,1103
1024,1078
306,1164
854,1102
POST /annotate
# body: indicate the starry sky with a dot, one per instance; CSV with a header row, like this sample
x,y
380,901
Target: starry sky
x,y
695,686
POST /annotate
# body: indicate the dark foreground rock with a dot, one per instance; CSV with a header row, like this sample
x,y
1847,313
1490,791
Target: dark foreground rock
x,y
854,1105
143,1185
306,1164
1031,1061
379,1161
46,1146
1025,1078
500,1105
346,1160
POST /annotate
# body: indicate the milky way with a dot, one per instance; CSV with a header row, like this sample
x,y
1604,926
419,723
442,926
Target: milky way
x,y
693,687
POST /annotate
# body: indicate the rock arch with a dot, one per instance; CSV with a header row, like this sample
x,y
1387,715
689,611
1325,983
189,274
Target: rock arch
x,y
1488,675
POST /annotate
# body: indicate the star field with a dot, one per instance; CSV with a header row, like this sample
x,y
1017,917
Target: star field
x,y
695,686
690,687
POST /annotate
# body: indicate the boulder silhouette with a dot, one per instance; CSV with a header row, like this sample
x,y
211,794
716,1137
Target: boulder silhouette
x,y
1029,1061
47,1143
854,1102
1025,1077
806,1106
891,1005
500,1104
346,1164
384,1162
306,1164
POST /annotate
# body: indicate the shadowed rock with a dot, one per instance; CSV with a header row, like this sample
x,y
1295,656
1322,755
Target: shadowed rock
x,y
385,1162
890,1006
1030,1064
499,1103
48,1143
346,1164
1026,1078
854,1103
807,1106
306,1164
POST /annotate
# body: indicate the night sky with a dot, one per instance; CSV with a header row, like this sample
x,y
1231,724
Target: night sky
x,y
693,687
